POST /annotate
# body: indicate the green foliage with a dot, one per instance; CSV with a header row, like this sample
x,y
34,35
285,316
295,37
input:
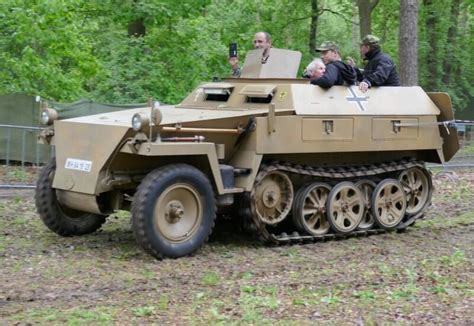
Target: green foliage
x,y
44,48
67,49
435,50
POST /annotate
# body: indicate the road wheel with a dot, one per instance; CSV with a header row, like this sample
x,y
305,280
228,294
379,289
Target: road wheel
x,y
61,219
173,211
309,208
416,183
366,186
388,204
345,207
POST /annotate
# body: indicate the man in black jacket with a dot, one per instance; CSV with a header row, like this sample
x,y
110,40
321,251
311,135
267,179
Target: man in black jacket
x,y
337,72
380,69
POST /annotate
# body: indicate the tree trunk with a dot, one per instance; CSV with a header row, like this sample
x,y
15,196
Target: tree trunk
x,y
408,42
365,15
136,28
354,28
432,55
313,27
452,32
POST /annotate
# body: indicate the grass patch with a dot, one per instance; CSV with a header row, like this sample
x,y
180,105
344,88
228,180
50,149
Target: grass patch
x,y
455,259
442,222
143,311
467,150
163,302
210,279
18,174
76,316
364,296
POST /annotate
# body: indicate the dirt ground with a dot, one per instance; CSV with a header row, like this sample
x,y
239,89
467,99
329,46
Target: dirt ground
x,y
422,276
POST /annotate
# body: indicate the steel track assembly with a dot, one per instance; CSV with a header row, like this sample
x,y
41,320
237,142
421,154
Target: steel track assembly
x,y
402,191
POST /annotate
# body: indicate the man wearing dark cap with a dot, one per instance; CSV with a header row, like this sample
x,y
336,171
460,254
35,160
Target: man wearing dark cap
x,y
380,69
337,72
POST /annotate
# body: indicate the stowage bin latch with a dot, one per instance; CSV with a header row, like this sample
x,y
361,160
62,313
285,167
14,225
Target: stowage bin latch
x,y
396,126
328,126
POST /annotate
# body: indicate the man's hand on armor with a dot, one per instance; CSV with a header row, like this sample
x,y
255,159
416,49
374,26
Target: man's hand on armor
x,y
363,86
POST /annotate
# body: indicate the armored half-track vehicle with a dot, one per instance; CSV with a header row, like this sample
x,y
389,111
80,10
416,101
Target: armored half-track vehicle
x,y
291,160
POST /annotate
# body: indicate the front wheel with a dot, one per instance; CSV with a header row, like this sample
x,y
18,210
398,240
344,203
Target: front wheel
x,y
173,211
58,218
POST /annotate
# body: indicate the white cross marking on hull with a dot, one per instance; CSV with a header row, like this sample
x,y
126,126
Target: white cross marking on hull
x,y
356,99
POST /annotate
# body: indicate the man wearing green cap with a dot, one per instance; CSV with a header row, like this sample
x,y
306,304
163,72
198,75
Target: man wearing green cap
x,y
337,72
380,69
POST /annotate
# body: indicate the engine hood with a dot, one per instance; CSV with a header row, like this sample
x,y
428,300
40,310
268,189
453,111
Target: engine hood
x,y
171,115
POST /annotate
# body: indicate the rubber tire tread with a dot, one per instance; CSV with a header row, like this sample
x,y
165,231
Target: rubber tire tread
x,y
51,213
144,202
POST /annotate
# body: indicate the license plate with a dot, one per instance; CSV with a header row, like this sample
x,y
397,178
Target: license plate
x,y
80,165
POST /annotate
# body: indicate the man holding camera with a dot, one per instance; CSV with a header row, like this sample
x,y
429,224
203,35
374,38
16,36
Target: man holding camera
x,y
261,40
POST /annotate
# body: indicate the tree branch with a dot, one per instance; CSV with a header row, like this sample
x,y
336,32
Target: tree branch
x,y
349,20
372,4
295,20
320,12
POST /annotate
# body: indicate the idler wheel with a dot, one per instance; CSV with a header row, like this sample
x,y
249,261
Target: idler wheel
x,y
309,208
388,204
416,183
345,207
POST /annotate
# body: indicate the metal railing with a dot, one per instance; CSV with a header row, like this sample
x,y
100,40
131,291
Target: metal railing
x,y
21,155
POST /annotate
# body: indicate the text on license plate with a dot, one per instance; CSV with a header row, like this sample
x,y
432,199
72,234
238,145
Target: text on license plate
x,y
81,165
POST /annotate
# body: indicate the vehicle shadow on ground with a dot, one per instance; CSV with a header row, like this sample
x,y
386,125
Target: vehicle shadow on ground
x,y
116,238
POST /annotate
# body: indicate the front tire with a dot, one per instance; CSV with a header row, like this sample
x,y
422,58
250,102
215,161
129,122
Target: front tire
x,y
174,211
61,219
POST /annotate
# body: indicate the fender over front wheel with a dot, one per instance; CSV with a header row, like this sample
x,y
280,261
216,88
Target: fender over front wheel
x,y
63,220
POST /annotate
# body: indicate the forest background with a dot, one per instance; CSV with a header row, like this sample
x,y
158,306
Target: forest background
x,y
127,51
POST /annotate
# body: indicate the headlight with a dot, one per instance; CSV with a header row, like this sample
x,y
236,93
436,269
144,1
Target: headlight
x,y
48,116
140,122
